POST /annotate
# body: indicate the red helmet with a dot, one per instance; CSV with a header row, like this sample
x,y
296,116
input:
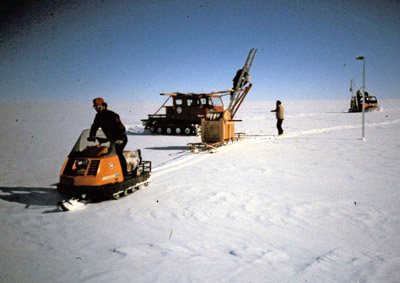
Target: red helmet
x,y
98,102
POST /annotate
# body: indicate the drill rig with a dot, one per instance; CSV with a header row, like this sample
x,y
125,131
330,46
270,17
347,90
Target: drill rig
x,y
185,114
218,127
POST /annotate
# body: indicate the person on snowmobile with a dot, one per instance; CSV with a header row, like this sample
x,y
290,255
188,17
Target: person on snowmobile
x,y
112,127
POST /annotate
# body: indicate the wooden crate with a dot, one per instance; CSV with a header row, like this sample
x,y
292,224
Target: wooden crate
x,y
221,129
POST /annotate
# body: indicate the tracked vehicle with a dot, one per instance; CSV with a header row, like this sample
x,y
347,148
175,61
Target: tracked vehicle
x,y
371,103
356,102
92,171
184,116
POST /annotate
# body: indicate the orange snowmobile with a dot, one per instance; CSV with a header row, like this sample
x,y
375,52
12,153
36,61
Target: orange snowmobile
x,y
92,172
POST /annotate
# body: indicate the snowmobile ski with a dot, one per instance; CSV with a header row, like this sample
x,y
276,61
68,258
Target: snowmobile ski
x,y
71,204
77,203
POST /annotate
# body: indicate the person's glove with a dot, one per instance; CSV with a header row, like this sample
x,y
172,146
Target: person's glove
x,y
92,139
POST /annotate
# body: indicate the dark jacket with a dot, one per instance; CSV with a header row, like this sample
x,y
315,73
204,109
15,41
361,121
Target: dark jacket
x,y
110,124
236,78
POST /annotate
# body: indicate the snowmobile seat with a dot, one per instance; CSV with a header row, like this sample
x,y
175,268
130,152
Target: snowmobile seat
x,y
95,151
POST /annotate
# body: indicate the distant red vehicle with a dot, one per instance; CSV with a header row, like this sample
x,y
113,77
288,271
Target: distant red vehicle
x,y
371,103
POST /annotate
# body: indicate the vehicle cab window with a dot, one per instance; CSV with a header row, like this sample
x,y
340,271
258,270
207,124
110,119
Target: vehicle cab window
x,y
193,102
217,101
203,101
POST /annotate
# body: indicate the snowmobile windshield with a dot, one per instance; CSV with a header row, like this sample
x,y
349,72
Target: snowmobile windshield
x,y
99,147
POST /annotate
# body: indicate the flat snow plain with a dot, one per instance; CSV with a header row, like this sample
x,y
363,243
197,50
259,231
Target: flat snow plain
x,y
316,205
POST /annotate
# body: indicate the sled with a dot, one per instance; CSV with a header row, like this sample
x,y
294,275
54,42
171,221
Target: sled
x,y
214,146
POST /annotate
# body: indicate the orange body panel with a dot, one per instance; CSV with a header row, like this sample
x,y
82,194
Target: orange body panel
x,y
370,105
108,171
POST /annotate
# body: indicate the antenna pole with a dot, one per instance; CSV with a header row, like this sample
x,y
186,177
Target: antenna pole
x,y
363,95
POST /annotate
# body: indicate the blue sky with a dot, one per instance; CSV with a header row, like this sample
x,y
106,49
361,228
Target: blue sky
x,y
130,51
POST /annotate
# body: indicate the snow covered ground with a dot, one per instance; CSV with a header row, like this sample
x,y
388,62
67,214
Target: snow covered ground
x,y
316,205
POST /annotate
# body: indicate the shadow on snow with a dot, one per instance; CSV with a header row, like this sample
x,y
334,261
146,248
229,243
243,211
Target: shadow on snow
x,y
30,196
184,148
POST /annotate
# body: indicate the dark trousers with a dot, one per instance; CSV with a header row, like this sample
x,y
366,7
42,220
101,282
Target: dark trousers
x,y
119,148
279,126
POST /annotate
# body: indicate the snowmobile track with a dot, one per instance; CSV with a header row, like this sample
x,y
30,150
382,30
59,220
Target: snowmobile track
x,y
80,203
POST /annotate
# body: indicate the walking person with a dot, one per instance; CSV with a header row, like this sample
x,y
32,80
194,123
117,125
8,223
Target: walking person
x,y
279,113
